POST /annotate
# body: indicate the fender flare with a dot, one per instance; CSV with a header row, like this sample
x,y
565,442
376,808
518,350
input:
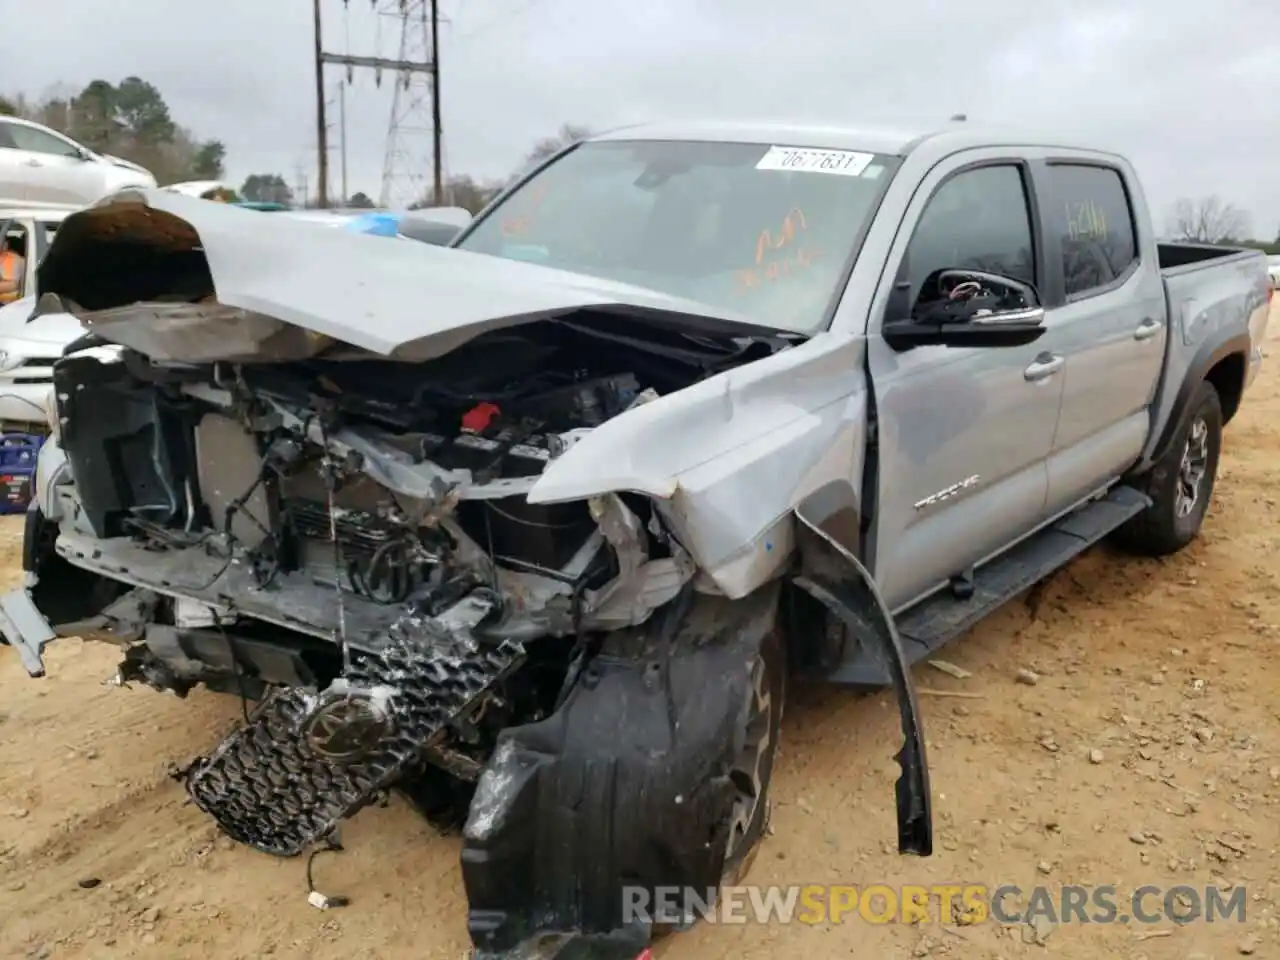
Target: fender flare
x,y
1210,354
834,576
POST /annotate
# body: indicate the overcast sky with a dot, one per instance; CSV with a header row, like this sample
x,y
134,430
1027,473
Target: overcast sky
x,y
1190,90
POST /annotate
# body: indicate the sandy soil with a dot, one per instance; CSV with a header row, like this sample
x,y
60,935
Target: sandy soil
x,y
1147,752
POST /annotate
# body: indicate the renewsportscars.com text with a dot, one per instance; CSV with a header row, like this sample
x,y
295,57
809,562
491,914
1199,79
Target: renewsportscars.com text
x,y
962,904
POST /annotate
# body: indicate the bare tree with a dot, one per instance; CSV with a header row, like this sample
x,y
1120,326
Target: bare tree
x,y
568,134
1208,220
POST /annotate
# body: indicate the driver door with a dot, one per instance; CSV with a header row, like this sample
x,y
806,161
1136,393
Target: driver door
x,y
964,433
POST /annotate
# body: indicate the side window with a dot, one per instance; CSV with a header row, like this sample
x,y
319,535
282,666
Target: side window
x,y
37,141
13,254
977,220
6,138
1093,219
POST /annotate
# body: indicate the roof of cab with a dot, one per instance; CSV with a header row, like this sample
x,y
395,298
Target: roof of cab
x,y
947,137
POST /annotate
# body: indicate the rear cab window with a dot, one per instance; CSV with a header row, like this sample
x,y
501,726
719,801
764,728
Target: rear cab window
x,y
1091,216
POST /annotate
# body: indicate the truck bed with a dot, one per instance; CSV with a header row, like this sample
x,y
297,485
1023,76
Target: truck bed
x,y
1176,256
1208,289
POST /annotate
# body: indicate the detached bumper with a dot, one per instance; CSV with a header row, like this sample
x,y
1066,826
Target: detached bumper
x,y
25,629
56,599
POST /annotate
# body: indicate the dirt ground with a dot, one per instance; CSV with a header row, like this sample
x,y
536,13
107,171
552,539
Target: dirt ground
x,y
1146,751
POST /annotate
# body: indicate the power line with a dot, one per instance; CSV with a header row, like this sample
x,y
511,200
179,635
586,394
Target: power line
x,y
415,107
469,35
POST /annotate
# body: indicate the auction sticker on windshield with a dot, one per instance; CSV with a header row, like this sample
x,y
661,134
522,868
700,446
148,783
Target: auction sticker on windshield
x,y
843,163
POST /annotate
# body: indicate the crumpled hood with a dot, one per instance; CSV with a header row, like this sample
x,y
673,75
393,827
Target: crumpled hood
x,y
132,268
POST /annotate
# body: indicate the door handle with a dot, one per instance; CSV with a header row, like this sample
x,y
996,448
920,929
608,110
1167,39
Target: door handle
x,y
34,163
1147,329
1045,366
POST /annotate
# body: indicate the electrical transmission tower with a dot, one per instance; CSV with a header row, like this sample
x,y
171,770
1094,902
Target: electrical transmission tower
x,y
414,135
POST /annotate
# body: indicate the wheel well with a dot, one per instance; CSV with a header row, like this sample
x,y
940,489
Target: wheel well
x,y
1227,377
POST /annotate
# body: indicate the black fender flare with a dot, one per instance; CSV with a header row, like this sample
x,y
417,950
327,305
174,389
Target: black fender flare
x,y
1210,353
833,575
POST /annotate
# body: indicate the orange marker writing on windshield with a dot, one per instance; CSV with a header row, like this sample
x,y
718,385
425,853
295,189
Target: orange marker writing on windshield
x,y
514,226
792,224
771,269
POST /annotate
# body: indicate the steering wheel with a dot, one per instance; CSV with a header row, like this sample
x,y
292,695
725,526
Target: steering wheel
x,y
961,285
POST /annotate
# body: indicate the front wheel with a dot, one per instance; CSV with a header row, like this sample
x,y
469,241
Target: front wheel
x,y
755,750
1180,484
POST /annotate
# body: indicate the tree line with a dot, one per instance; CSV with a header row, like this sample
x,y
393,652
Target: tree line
x,y
131,120
1214,221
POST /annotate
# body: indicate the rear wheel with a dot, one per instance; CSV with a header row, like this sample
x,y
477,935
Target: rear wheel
x,y
1180,484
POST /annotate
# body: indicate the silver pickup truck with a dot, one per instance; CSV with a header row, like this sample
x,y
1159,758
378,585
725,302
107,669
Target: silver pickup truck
x,y
537,529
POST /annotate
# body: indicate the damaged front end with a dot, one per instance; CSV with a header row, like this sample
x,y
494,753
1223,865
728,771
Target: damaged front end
x,y
355,543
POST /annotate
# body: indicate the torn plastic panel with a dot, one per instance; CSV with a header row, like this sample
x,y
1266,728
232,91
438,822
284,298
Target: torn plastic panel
x,y
626,786
834,576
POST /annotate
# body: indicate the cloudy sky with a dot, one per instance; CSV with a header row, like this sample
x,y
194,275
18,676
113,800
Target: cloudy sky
x,y
1188,89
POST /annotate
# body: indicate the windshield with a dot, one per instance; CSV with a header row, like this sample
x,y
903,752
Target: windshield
x,y
753,229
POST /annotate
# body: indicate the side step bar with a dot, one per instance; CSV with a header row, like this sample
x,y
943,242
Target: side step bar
x,y
936,621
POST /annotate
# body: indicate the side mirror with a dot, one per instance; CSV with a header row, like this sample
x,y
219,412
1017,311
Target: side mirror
x,y
427,230
457,217
970,308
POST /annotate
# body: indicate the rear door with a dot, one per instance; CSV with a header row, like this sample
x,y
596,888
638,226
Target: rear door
x,y
964,434
1109,320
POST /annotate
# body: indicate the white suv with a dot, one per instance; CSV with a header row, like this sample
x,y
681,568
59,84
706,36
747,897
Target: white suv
x,y
41,166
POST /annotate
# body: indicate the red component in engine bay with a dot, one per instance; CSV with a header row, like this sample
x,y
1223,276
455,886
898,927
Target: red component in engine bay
x,y
478,418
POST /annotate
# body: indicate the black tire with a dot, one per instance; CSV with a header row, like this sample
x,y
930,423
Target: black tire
x,y
770,668
1169,524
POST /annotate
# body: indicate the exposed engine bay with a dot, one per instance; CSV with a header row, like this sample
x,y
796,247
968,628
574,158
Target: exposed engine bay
x,y
330,497
348,541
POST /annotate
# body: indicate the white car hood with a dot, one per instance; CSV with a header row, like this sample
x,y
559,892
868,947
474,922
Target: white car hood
x,y
54,329
14,317
285,290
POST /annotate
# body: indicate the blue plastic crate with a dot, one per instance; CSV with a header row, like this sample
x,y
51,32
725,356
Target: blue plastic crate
x,y
18,453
